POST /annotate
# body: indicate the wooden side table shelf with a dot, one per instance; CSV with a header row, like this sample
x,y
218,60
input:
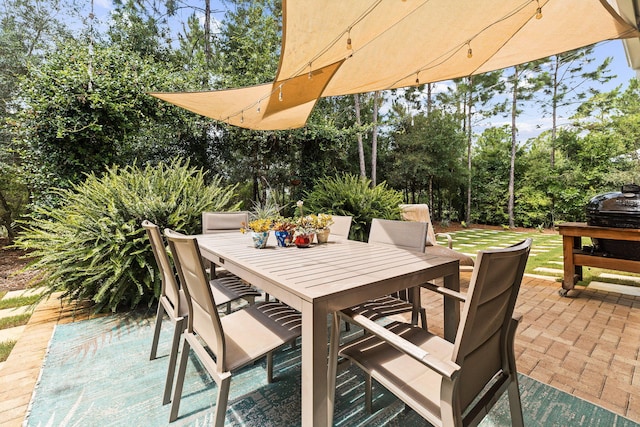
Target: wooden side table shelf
x,y
575,257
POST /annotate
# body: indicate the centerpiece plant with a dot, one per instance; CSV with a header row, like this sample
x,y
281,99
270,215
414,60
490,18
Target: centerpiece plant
x,y
321,223
305,228
284,229
259,228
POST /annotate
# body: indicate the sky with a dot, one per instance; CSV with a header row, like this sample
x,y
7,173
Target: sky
x,y
530,123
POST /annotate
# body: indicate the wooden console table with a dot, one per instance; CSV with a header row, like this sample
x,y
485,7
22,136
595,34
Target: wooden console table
x,y
575,257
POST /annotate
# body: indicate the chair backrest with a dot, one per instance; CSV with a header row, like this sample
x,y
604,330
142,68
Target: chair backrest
x,y
341,225
420,212
203,318
485,323
401,234
170,289
223,222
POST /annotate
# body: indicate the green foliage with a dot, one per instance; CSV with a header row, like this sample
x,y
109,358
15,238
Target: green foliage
x,y
83,110
93,247
5,349
348,194
428,155
18,301
13,321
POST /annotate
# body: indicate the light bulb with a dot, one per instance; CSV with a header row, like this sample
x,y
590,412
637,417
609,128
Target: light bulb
x,y
539,13
242,118
469,53
280,94
417,80
349,43
258,109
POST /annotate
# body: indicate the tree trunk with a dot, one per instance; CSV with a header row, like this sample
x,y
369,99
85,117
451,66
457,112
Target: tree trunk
x,y
512,167
363,170
469,103
374,139
207,31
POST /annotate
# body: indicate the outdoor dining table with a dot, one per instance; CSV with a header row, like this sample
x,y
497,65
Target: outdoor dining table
x,y
324,278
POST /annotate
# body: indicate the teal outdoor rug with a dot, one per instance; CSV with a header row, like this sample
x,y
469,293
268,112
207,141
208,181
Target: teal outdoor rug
x,y
98,373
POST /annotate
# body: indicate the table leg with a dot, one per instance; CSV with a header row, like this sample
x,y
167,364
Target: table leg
x,y
451,307
334,344
315,405
568,244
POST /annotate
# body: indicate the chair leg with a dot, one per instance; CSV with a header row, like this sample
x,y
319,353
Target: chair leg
x,y
173,357
222,401
270,367
177,391
156,331
515,405
368,394
423,318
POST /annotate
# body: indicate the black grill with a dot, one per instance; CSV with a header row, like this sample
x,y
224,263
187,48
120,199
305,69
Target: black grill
x,y
618,210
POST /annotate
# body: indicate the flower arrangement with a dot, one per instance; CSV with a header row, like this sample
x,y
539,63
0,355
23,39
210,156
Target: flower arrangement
x,y
322,221
304,225
257,225
284,224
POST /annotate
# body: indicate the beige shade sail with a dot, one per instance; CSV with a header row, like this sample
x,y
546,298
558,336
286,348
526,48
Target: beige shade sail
x,y
337,47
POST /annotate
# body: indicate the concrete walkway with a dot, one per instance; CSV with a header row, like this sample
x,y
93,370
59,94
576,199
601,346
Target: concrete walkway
x,y
586,344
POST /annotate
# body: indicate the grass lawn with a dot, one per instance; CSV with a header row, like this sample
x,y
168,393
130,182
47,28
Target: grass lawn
x,y
546,253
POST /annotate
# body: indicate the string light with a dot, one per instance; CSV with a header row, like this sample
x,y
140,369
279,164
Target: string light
x,y
349,47
242,117
258,109
538,11
417,78
469,51
310,71
280,94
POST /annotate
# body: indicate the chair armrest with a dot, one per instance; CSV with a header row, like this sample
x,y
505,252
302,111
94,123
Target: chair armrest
x,y
442,367
445,291
449,239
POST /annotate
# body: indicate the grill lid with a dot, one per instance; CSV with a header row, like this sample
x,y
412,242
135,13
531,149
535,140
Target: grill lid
x,y
626,202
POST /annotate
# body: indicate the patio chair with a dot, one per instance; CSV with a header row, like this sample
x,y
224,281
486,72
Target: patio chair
x,y
172,301
405,235
222,222
450,384
224,344
420,212
341,225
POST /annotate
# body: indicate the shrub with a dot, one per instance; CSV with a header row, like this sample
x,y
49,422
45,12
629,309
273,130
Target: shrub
x,y
93,247
349,194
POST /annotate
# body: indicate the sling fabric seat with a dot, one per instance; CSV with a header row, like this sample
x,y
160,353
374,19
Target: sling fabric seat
x,y
172,300
420,212
341,225
224,344
451,384
405,235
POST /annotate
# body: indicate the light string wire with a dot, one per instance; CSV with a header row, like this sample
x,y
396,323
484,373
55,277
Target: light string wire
x,y
429,65
446,56
308,64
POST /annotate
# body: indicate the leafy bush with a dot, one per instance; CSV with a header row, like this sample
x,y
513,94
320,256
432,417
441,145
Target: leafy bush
x,y
93,246
349,194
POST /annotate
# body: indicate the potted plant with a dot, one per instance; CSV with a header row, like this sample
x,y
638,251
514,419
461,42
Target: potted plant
x,y
321,223
304,228
284,229
259,231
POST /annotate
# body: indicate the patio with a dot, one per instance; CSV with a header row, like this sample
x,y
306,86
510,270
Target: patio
x,y
586,345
